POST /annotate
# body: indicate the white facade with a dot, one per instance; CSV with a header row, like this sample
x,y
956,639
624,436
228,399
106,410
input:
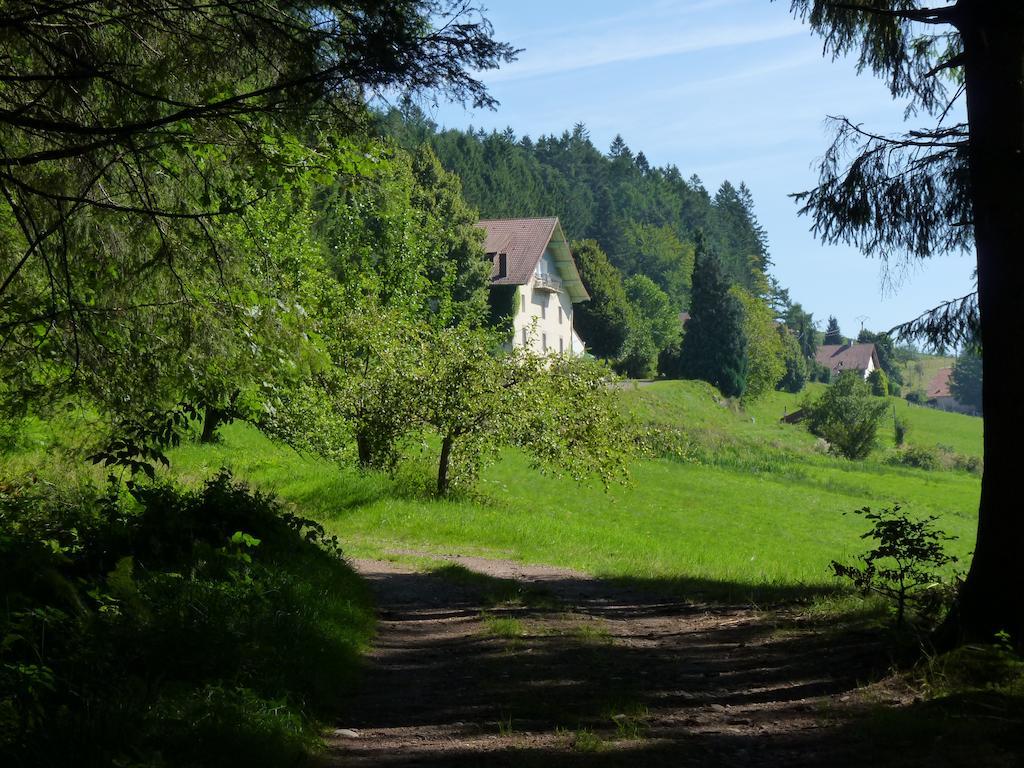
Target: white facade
x,y
543,313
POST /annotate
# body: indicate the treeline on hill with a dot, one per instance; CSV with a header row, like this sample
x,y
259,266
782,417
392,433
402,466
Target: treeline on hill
x,y
643,236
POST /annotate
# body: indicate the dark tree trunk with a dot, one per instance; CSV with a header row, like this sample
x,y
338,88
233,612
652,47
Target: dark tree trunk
x,y
442,465
365,451
212,419
992,599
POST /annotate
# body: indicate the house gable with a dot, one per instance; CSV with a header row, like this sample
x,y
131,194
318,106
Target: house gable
x,y
516,247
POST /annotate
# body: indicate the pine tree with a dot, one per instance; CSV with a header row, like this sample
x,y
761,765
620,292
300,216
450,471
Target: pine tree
x,y
714,348
832,334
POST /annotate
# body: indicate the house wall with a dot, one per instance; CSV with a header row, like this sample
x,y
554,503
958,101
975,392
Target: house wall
x,y
544,317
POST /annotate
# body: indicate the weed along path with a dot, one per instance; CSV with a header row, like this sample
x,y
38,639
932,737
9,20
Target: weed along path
x,y
489,662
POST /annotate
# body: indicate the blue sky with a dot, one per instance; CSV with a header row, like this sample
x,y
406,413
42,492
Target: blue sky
x,y
726,89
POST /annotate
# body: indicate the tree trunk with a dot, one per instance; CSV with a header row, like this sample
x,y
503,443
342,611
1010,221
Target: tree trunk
x,y
212,419
365,450
442,465
992,598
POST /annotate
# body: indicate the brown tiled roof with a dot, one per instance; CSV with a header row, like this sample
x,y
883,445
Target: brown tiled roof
x,y
522,242
846,357
939,385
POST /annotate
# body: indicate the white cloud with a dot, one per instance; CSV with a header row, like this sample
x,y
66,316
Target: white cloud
x,y
626,45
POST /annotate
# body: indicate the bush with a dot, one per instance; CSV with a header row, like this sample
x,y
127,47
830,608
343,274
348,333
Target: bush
x,y
917,457
900,428
165,625
847,416
916,397
939,457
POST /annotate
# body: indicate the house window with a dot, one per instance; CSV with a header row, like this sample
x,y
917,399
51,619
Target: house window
x,y
561,346
559,315
524,337
544,341
522,302
543,310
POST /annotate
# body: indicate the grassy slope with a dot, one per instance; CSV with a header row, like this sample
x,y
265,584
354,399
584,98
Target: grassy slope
x,y
768,513
918,376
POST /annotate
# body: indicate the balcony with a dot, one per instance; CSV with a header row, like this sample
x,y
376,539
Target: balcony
x,y
547,282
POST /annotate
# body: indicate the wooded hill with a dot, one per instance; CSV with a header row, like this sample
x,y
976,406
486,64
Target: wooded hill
x,y
645,218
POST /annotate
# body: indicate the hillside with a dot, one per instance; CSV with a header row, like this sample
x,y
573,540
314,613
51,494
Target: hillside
x,y
747,506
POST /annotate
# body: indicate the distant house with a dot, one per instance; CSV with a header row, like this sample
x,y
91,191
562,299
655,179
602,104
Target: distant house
x,y
534,277
939,396
848,357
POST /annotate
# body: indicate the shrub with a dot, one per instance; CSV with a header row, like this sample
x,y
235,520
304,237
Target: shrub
x,y
847,416
905,564
141,626
916,397
939,457
918,457
900,427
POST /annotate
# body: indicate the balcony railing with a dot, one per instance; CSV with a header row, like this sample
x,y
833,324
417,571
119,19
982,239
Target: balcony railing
x,y
547,282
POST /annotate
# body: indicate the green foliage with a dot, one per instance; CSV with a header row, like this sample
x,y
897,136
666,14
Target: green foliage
x,y
654,326
879,383
715,347
766,363
906,563
401,237
965,381
604,321
658,253
847,416
134,155
900,427
935,458
186,626
560,410
796,374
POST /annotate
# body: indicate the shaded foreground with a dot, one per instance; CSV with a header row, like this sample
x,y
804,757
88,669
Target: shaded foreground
x,y
492,662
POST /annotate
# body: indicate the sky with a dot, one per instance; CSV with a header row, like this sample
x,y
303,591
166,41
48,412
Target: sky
x,y
725,89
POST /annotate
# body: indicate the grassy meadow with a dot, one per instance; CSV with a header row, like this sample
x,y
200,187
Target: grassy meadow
x,y
752,508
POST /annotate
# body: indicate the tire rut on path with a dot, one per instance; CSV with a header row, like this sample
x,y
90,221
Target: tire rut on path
x,y
573,670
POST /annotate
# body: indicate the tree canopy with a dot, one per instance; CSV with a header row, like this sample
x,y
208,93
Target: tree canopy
x,y
130,131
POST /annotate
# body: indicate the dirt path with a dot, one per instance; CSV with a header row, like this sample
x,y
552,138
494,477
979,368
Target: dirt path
x,y
489,662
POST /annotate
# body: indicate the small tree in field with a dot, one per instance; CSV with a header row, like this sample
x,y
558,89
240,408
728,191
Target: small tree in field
x,y
847,416
479,398
905,563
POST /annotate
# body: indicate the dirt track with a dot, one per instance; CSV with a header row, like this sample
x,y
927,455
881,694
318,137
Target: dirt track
x,y
592,674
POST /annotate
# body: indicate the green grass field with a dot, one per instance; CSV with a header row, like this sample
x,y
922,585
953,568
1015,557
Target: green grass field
x,y
758,513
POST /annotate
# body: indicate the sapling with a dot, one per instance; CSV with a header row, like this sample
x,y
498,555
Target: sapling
x,y
905,565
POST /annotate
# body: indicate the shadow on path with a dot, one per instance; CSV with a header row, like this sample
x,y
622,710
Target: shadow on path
x,y
494,663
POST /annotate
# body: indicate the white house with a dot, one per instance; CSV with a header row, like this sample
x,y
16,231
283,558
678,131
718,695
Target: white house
x,y
848,357
533,270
